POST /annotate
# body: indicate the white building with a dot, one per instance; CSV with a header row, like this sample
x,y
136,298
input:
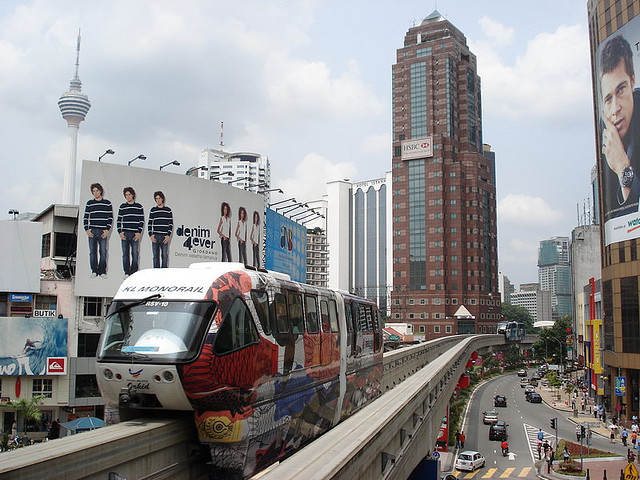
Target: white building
x,y
358,227
250,171
536,301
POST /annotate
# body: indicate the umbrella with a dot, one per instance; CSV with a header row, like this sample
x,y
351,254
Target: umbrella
x,y
83,423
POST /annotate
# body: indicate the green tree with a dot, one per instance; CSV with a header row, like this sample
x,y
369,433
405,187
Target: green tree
x,y
514,313
27,409
552,345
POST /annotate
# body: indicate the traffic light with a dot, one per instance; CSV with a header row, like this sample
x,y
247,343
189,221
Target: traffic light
x,y
552,422
582,431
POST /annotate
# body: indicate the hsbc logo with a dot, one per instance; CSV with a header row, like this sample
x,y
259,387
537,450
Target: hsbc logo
x,y
56,365
419,148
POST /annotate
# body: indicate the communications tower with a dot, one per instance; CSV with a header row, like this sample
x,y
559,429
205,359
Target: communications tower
x,y
74,106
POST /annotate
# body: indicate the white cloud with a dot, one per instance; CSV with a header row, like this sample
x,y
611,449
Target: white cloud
x,y
551,78
309,180
378,145
524,210
495,32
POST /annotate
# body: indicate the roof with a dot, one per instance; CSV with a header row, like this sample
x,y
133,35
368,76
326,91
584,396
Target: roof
x,y
433,17
462,312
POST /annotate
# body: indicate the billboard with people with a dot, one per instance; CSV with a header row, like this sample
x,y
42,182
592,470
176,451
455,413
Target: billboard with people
x,y
133,218
618,112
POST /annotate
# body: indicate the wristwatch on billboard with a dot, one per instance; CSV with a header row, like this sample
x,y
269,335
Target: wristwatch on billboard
x,y
626,179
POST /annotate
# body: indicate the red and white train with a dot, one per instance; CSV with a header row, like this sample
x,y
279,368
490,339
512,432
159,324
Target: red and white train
x,y
266,364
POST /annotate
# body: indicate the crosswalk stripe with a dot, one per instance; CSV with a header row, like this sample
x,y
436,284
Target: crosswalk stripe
x,y
507,472
524,472
490,473
471,474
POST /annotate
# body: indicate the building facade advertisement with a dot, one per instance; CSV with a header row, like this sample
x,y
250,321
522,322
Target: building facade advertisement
x,y
33,346
135,218
418,148
618,120
286,246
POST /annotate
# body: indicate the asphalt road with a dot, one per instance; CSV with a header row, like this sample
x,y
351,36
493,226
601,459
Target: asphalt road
x,y
524,419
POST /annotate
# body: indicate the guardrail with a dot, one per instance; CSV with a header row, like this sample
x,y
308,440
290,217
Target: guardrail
x,y
387,439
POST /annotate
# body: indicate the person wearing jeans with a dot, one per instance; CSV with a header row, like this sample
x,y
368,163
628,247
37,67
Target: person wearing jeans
x,y
130,224
97,221
160,227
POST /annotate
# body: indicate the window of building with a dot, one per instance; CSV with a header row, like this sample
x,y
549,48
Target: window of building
x,y
423,315
46,245
621,253
46,302
92,306
437,315
65,244
42,386
422,301
421,329
448,328
411,315
436,329
86,386
88,344
454,301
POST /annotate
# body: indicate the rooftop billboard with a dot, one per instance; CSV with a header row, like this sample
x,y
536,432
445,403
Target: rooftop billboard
x,y
133,218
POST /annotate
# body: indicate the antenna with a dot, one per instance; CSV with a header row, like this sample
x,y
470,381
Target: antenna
x,y
78,53
221,135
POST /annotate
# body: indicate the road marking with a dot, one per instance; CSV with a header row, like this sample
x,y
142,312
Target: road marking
x,y
490,473
472,474
507,472
524,472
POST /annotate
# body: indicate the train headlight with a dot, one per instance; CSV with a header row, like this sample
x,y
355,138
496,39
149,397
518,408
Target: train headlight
x,y
108,374
168,376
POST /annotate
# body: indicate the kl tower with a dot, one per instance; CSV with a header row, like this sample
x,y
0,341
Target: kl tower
x,y
74,106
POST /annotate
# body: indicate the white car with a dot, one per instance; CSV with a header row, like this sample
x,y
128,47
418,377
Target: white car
x,y
469,460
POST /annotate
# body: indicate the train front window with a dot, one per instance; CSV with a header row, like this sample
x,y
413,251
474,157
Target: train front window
x,y
157,331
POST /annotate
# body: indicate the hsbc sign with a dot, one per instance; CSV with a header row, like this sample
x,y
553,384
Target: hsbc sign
x,y
56,365
418,148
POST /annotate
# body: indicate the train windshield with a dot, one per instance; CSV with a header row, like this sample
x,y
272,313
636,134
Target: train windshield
x,y
157,331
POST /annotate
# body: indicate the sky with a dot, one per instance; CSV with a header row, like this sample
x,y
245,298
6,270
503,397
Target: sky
x,y
307,83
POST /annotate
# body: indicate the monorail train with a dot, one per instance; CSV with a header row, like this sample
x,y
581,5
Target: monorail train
x,y
514,331
266,364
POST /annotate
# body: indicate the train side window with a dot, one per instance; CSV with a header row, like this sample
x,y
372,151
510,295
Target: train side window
x,y
237,329
348,314
324,316
311,313
295,312
333,315
282,319
362,318
261,302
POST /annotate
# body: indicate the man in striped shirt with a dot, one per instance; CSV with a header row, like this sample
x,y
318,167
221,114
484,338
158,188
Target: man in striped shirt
x,y
97,221
160,227
130,224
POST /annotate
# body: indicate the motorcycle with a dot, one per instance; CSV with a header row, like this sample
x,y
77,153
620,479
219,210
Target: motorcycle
x,y
505,450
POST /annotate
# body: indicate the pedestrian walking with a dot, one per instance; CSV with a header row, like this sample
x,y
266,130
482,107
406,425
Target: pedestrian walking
x,y
539,450
546,447
624,436
549,460
463,437
612,435
634,438
457,439
540,434
630,456
565,454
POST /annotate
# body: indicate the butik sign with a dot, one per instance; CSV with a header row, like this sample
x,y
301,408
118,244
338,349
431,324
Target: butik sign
x,y
56,365
418,148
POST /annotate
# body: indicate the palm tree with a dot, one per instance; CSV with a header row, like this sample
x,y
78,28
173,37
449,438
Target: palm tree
x,y
28,409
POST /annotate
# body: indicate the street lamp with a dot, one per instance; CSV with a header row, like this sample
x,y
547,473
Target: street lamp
x,y
282,201
238,180
216,175
175,162
108,152
141,157
299,205
193,169
279,190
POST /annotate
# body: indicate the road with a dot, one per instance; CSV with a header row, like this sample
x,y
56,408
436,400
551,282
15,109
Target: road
x,y
524,419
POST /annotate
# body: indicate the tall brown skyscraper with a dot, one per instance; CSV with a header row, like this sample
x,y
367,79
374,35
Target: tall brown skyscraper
x,y
444,194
